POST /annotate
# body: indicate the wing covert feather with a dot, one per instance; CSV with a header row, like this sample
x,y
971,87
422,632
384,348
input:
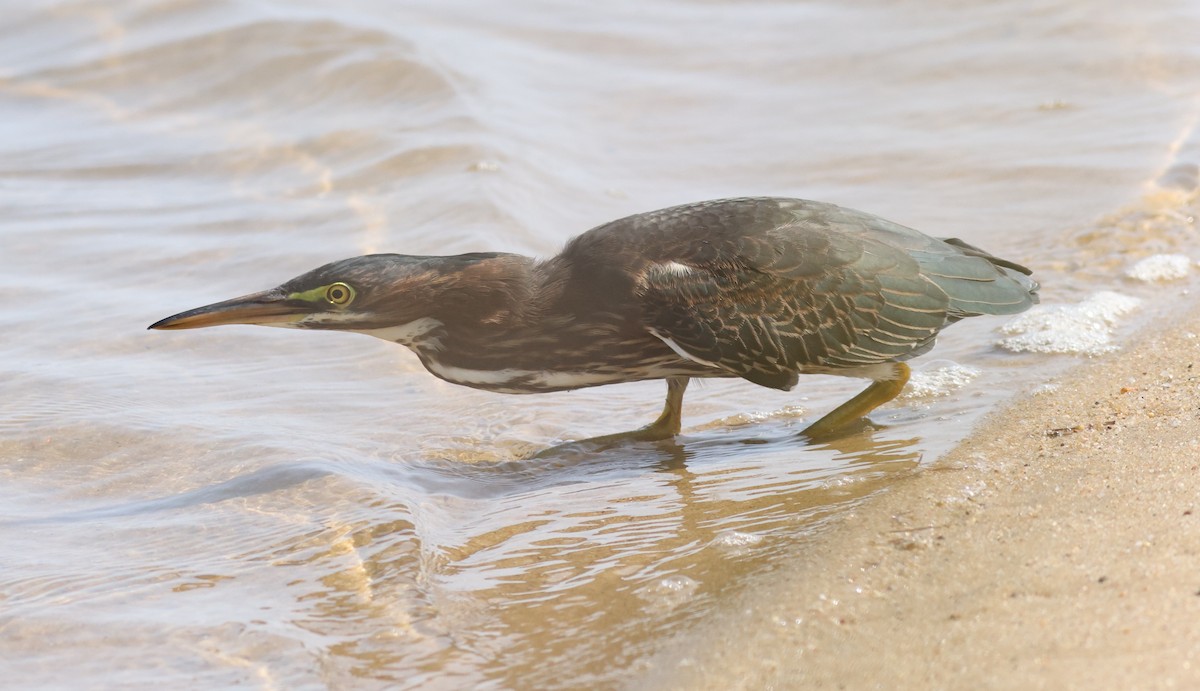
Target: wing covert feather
x,y
768,288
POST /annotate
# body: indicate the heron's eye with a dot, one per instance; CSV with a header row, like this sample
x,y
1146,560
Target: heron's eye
x,y
339,294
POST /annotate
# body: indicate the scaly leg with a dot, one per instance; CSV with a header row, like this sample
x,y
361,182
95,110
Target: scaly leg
x,y
879,392
665,427
670,421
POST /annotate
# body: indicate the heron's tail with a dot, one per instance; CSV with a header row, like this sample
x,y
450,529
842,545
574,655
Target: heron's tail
x,y
1013,291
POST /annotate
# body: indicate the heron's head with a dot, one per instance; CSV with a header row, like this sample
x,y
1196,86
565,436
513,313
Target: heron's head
x,y
377,291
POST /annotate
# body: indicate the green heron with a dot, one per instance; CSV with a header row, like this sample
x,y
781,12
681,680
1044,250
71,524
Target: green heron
x,y
764,289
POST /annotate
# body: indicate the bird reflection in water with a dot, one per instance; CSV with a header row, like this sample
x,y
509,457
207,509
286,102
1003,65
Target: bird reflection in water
x,y
563,557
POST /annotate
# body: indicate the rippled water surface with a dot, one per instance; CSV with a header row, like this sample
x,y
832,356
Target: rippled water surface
x,y
306,510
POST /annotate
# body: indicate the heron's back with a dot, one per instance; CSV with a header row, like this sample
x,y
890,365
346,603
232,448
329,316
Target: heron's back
x,y
768,287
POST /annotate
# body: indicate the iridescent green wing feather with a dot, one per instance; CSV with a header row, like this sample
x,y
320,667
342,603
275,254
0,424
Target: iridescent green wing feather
x,y
767,288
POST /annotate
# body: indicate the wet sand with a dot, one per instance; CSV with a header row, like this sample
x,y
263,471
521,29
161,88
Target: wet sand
x,y
1059,547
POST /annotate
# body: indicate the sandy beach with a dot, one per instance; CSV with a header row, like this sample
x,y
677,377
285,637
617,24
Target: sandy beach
x,y
263,508
1057,548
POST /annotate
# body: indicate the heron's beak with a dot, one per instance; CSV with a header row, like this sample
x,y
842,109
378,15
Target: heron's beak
x,y
270,308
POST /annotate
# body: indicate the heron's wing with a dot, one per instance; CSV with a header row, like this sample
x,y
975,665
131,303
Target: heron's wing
x,y
812,288
981,283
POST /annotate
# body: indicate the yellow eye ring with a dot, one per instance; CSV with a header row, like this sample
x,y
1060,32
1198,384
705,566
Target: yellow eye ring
x,y
339,294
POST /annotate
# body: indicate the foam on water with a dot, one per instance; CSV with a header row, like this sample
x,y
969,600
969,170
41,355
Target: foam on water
x,y
1161,267
202,509
736,540
1085,328
669,592
938,378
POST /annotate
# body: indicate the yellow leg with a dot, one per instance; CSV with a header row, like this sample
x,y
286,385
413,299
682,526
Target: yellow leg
x,y
665,427
879,392
670,420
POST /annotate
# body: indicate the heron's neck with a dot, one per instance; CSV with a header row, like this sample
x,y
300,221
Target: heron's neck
x,y
477,304
545,325
504,308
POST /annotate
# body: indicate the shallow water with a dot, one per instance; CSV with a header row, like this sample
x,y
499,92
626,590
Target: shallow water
x,y
291,510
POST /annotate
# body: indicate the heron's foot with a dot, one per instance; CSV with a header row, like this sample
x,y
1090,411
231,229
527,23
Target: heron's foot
x,y
848,417
852,428
655,431
652,432
667,426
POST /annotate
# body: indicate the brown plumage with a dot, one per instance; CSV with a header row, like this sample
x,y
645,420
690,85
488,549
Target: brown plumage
x,y
760,288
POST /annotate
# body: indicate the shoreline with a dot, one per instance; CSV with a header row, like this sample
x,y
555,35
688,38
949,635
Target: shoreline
x,y
1058,546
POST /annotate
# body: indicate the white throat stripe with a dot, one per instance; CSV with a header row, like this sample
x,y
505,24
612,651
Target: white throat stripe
x,y
405,334
496,380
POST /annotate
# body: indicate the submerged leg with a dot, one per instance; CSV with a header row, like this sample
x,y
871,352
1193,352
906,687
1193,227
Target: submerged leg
x,y
665,427
670,421
879,392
